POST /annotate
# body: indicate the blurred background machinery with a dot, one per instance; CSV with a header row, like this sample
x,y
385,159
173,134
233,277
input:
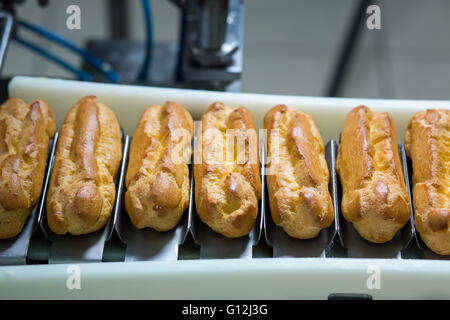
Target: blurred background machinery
x,y
207,55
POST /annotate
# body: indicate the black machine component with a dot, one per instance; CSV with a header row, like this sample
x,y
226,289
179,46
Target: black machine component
x,y
208,54
212,44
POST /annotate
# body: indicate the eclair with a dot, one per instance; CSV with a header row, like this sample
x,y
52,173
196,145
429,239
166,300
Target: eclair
x,y
81,193
375,199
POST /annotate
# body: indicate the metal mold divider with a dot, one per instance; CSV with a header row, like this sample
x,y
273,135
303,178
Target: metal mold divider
x,y
147,244
82,248
357,247
14,251
286,246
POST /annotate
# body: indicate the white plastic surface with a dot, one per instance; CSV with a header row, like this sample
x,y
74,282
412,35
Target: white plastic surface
x,y
306,278
224,279
128,102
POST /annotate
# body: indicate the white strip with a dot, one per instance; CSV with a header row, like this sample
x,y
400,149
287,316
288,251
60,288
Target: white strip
x,y
128,102
308,278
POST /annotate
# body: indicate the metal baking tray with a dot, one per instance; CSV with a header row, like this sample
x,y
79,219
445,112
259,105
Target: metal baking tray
x,y
215,246
146,244
285,246
14,251
84,248
357,247
274,269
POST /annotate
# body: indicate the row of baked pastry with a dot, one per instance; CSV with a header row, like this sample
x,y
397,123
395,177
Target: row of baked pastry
x,y
81,192
375,198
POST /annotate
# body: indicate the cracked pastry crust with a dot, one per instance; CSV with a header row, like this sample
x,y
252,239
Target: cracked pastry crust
x,y
25,131
157,177
226,170
297,178
427,143
82,191
375,198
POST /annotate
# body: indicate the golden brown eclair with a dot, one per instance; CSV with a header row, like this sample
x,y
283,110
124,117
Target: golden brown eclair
x,y
157,178
81,193
25,131
297,173
427,142
375,198
226,170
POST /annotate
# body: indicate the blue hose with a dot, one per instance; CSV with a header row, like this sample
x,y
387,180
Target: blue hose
x,y
79,73
143,74
103,67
